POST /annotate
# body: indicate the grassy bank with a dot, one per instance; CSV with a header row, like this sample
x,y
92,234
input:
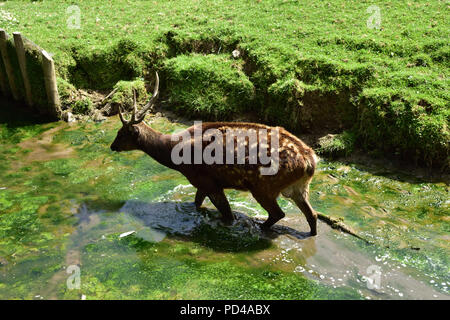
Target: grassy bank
x,y
305,65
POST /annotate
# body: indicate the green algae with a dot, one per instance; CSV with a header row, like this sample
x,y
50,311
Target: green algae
x,y
132,268
408,220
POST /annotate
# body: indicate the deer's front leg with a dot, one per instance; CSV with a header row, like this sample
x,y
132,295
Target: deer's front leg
x,y
199,198
220,201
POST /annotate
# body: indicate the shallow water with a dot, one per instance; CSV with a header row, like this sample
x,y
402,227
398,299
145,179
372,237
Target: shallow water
x,y
130,226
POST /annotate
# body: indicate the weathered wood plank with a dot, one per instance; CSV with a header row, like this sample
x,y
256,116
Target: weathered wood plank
x,y
3,82
51,87
20,50
7,63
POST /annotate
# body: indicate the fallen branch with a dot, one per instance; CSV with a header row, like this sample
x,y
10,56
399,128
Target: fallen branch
x,y
338,224
109,95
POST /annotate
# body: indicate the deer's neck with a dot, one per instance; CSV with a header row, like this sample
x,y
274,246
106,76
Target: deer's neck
x,y
155,144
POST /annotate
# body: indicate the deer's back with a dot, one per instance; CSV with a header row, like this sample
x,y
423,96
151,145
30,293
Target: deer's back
x,y
296,159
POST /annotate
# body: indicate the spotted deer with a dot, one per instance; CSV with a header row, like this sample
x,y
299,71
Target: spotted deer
x,y
296,162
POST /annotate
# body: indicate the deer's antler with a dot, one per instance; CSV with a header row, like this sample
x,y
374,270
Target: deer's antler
x,y
149,105
135,117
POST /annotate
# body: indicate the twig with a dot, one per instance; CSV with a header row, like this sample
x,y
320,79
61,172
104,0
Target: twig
x,y
109,95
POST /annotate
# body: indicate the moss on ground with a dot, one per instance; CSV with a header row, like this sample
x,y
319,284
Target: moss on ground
x,y
104,67
336,145
407,124
67,93
83,106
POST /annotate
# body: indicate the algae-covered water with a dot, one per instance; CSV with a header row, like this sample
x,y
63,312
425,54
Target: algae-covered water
x,y
78,221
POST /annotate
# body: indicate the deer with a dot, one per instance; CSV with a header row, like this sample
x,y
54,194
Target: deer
x,y
295,165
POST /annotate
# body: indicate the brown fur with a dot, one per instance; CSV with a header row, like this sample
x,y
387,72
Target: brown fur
x,y
297,163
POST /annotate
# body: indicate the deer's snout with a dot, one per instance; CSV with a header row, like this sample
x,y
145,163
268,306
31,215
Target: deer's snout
x,y
114,147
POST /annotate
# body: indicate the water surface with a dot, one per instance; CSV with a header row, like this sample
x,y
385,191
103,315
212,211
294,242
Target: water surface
x,y
130,226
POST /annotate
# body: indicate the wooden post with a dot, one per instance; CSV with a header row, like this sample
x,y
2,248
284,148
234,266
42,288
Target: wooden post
x,y
3,83
7,63
51,87
20,50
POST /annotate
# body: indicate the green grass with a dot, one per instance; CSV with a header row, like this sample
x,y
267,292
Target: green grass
x,y
336,145
208,85
303,64
124,94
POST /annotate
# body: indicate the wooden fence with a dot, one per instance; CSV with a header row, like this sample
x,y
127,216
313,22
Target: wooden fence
x,y
27,73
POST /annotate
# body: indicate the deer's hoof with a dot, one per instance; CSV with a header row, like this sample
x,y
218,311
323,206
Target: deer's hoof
x,y
227,221
264,227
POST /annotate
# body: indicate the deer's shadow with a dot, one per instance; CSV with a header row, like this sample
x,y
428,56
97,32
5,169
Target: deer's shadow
x,y
182,220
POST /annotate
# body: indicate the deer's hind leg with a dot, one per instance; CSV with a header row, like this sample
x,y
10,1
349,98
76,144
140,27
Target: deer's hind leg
x,y
299,193
270,204
308,211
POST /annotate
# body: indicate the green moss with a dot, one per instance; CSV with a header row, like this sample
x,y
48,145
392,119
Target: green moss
x,y
210,86
62,167
16,132
84,106
124,93
38,268
422,60
223,239
336,145
67,93
157,274
5,203
410,126
22,226
393,210
93,68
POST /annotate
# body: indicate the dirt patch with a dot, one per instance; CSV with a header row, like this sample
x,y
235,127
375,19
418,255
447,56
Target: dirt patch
x,y
44,149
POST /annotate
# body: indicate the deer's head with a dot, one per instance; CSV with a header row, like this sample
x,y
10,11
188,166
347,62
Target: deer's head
x,y
128,135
